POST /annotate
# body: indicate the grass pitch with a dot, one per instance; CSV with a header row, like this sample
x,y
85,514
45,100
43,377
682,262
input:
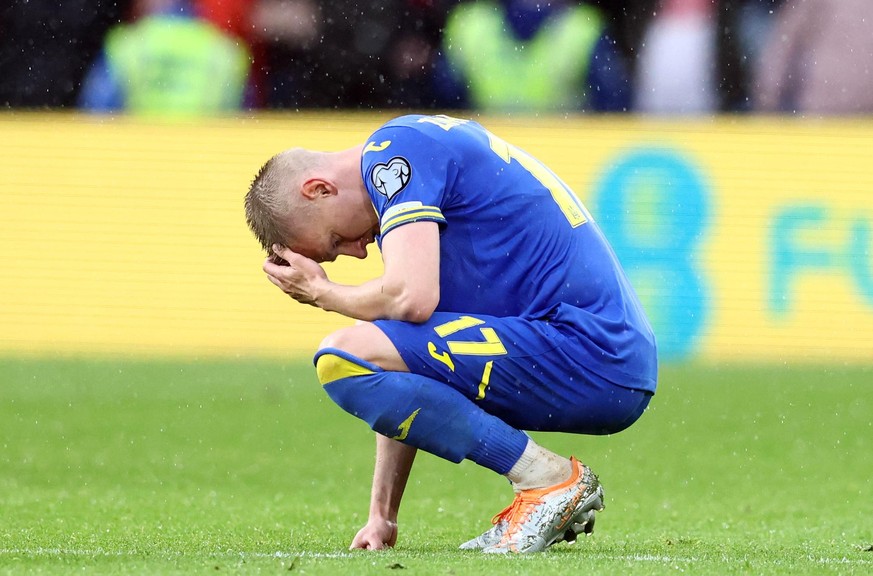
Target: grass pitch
x,y
121,467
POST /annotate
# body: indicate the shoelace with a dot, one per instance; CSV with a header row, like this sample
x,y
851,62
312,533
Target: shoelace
x,y
522,505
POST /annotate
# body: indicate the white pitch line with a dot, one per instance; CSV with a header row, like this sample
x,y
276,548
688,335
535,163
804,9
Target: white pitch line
x,y
100,552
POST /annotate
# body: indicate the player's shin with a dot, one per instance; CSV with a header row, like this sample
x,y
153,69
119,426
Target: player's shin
x,y
419,411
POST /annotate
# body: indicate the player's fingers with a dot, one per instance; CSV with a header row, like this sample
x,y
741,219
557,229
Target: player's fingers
x,y
272,268
283,252
290,256
287,271
360,544
274,280
368,542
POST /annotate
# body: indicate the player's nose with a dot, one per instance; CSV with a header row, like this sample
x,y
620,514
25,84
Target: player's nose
x,y
356,249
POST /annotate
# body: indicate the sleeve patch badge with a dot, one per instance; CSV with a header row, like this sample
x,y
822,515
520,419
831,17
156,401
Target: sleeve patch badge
x,y
389,179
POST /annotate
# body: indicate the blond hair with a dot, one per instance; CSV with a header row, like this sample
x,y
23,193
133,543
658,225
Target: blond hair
x,y
272,202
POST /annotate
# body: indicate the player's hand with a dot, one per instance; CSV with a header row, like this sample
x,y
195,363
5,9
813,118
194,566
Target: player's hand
x,y
295,274
376,535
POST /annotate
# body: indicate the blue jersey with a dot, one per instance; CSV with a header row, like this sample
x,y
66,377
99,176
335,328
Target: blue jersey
x,y
514,241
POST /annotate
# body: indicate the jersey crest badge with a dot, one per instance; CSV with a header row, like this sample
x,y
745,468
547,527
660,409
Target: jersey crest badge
x,y
389,179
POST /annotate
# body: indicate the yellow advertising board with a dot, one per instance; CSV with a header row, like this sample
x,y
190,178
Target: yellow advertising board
x,y
747,239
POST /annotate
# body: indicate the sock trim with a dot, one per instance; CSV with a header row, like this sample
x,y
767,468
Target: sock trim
x,y
332,364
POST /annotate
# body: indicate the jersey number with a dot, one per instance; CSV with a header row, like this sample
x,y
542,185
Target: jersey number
x,y
572,208
491,346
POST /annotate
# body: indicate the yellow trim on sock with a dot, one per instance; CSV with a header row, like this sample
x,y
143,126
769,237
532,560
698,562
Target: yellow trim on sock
x,y
330,367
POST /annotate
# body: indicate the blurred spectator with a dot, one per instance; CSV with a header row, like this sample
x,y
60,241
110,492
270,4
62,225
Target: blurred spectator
x,y
46,48
531,56
168,62
676,72
287,33
232,16
818,59
372,54
628,21
235,18
744,26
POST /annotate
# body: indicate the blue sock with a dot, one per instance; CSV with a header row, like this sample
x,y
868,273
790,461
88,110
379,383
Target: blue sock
x,y
419,411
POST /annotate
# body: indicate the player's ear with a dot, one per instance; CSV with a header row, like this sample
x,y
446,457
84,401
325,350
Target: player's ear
x,y
316,187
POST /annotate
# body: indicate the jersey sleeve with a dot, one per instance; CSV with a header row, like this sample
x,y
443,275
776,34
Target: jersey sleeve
x,y
407,174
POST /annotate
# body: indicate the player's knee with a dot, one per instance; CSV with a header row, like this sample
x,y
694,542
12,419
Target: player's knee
x,y
367,342
334,340
351,340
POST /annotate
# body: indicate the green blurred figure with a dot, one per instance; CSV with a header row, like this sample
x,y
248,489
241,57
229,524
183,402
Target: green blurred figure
x,y
168,62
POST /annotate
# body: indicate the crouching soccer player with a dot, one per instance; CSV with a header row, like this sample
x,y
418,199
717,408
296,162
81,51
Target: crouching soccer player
x,y
501,309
